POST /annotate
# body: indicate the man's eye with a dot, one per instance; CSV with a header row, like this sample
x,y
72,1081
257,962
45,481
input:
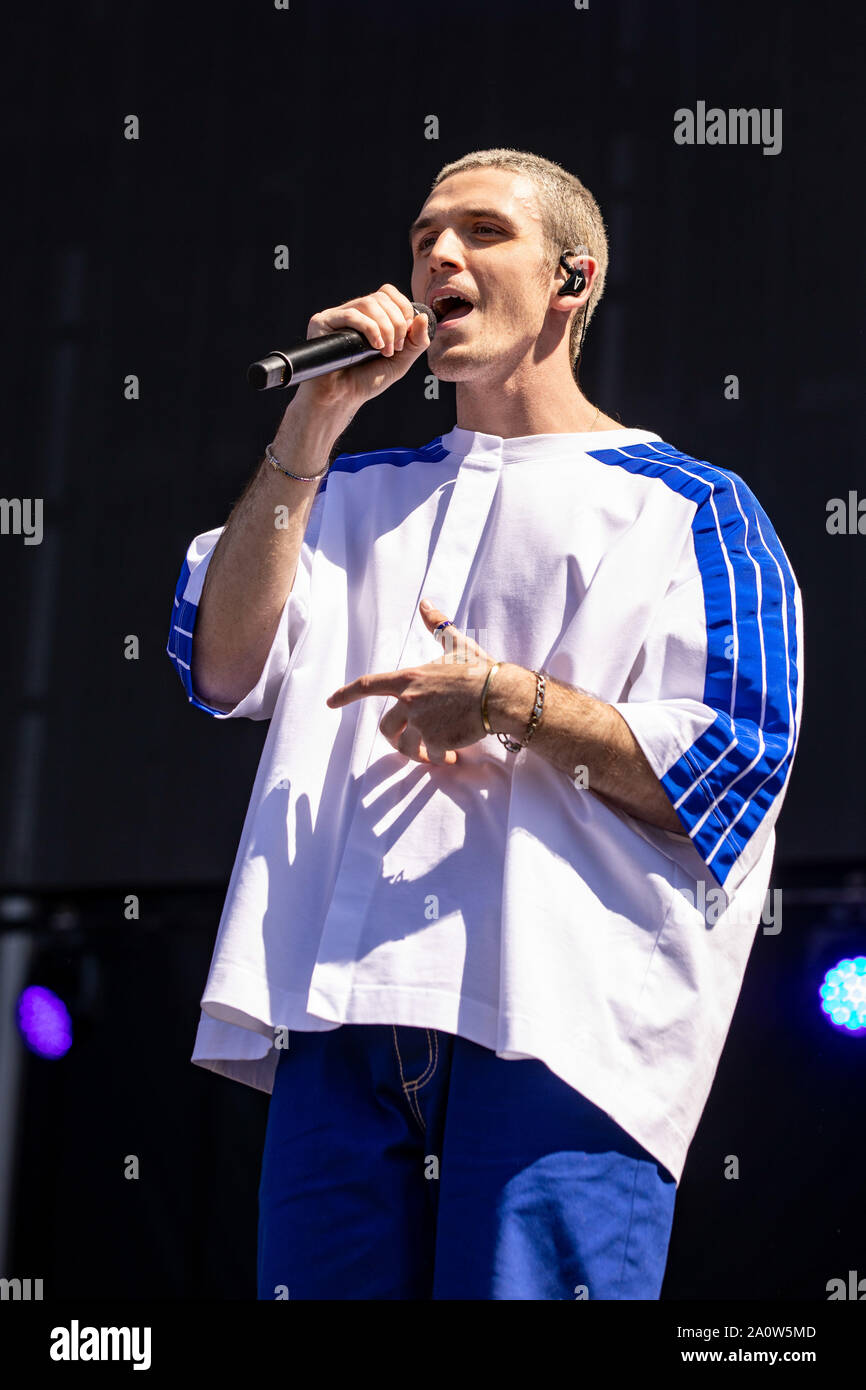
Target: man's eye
x,y
480,226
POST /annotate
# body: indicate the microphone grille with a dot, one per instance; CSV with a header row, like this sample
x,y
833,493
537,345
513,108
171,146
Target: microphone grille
x,y
431,317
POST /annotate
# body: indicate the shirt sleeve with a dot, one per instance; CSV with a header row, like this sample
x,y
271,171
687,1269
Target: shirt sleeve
x,y
260,702
715,695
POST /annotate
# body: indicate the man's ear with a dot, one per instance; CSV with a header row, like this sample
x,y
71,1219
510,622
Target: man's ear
x,y
579,270
576,279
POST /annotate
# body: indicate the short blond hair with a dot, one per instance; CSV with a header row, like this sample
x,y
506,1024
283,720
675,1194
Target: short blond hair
x,y
570,217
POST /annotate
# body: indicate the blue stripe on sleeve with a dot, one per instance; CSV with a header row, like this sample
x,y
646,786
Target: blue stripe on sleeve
x,y
724,784
400,458
179,645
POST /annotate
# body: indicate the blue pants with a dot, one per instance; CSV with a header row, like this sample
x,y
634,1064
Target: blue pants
x,y
408,1163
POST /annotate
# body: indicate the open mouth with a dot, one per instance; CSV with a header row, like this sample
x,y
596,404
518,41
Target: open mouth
x,y
451,308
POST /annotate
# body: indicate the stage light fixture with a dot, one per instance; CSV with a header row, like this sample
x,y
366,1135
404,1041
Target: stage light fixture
x,y
44,1022
843,995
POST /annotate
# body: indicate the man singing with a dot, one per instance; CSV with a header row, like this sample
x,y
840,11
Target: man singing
x,y
534,692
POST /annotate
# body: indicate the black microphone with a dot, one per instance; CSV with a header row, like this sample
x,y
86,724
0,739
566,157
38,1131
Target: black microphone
x,y
317,356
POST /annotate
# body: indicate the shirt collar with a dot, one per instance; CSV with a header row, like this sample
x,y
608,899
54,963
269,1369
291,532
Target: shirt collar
x,y
465,442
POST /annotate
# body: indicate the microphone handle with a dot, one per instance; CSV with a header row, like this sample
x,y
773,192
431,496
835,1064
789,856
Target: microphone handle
x,y
318,356
315,357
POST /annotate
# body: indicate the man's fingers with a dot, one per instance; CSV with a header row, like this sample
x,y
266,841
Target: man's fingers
x,y
392,723
408,741
457,646
426,755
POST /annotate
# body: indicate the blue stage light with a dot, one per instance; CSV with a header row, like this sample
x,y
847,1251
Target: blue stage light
x,y
44,1022
843,995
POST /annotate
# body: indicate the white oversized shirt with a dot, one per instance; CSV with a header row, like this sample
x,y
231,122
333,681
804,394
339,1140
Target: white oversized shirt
x,y
497,898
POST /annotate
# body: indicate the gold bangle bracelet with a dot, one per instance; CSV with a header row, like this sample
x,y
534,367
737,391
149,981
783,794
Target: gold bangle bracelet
x,y
485,721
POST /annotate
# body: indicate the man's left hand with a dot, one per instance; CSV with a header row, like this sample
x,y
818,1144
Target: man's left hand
x,y
438,707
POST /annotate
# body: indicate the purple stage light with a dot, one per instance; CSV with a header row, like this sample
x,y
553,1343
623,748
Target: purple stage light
x,y
44,1022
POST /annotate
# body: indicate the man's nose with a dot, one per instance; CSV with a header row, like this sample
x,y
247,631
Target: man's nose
x,y
447,248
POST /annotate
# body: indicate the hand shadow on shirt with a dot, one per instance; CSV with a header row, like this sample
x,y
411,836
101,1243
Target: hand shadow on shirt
x,y
403,906
479,789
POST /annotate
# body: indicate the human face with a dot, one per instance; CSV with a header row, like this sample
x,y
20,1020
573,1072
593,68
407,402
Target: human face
x,y
480,231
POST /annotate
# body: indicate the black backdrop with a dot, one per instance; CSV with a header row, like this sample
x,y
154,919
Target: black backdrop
x,y
306,127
